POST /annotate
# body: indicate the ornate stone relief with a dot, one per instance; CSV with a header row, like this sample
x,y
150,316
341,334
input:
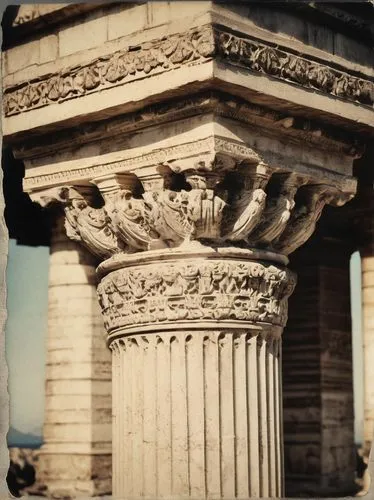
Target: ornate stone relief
x,y
197,45
212,199
300,70
195,290
114,69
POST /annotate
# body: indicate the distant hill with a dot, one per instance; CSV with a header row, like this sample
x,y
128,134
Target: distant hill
x,y
16,438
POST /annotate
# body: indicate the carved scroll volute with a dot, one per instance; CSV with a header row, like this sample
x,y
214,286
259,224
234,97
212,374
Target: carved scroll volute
x,y
280,201
304,217
90,226
247,200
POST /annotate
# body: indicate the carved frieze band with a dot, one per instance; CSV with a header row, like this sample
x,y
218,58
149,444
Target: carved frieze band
x,y
300,70
114,69
206,290
194,46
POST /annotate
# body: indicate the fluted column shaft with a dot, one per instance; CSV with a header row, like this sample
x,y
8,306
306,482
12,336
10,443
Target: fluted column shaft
x,y
200,412
365,223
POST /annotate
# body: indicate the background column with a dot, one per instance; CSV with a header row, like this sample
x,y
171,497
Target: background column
x,y
317,368
76,456
367,270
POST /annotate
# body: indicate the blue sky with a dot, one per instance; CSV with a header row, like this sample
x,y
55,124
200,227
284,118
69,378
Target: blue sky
x,y
26,330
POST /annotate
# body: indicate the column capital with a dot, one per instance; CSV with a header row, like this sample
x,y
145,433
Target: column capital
x,y
211,200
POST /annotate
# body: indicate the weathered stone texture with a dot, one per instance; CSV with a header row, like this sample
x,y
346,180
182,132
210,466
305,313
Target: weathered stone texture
x,y
190,401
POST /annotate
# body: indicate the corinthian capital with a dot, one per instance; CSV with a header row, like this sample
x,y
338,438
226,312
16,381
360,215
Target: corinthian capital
x,y
215,200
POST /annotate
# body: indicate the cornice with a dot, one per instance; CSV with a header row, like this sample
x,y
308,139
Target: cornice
x,y
295,129
28,13
192,47
266,58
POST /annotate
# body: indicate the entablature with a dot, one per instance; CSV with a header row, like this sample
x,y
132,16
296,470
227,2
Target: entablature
x,y
212,48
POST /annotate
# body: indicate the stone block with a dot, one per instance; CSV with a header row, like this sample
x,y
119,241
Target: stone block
x,y
74,401
83,35
166,12
127,19
69,252
337,435
85,489
81,355
74,467
78,387
79,433
71,275
91,336
368,278
73,305
302,458
84,416
22,56
367,264
48,48
71,371
64,292
368,296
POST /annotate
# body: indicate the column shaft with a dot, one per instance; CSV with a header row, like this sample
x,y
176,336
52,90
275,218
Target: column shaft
x,y
76,456
367,267
200,412
317,369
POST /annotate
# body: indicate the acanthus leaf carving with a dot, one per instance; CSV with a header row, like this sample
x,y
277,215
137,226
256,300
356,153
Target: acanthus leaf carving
x,y
207,203
172,215
195,211
209,200
91,226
